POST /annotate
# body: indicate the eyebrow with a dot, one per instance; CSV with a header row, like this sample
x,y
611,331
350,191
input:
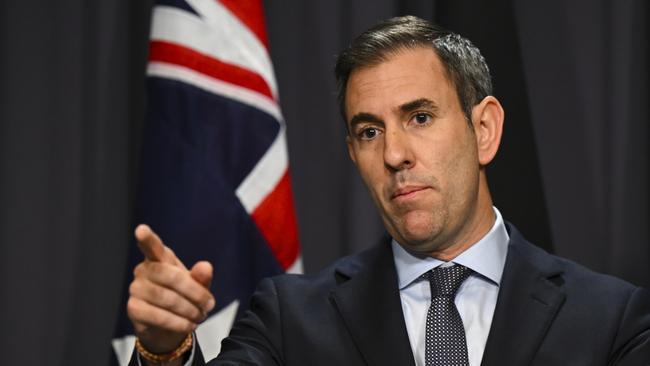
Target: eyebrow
x,y
404,108
418,104
364,117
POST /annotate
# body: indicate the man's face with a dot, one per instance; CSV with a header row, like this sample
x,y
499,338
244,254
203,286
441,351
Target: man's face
x,y
414,149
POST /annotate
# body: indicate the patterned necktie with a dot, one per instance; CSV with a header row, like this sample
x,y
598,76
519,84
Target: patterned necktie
x,y
445,342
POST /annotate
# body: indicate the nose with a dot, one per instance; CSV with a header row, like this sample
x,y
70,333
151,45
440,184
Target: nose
x,y
397,151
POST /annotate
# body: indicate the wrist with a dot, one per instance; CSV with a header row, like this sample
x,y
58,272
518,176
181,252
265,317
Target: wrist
x,y
175,357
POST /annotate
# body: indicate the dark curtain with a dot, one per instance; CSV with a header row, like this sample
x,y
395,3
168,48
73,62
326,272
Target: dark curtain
x,y
572,173
586,69
71,97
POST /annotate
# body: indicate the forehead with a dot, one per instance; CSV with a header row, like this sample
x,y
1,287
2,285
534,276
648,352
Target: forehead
x,y
403,77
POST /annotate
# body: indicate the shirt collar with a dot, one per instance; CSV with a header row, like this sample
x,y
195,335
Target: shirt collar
x,y
487,257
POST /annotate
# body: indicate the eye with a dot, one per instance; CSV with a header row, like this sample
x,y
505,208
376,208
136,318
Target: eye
x,y
421,118
368,133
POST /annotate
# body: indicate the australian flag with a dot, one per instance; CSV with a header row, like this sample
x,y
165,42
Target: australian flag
x,y
214,169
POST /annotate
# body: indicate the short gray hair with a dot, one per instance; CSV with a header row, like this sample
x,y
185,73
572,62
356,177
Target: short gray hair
x,y
465,66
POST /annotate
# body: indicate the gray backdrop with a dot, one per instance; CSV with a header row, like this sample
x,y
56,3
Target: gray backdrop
x,y
572,173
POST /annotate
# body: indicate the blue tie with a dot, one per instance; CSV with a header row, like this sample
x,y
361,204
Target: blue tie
x,y
445,342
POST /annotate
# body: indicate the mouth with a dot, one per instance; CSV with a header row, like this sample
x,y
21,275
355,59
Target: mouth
x,y
407,192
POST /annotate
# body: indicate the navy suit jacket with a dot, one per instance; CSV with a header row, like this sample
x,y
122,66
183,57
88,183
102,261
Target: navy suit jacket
x,y
549,311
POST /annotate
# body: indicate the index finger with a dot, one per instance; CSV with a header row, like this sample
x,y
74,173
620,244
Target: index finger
x,y
150,244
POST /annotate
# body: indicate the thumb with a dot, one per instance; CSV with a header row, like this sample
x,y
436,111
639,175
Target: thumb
x,y
202,272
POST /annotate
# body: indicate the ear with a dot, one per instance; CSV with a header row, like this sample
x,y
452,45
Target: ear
x,y
351,152
487,119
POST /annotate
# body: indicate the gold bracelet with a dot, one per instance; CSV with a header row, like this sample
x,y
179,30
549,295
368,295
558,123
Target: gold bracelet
x,y
165,357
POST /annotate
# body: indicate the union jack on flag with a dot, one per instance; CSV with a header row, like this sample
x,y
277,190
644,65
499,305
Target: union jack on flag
x,y
214,167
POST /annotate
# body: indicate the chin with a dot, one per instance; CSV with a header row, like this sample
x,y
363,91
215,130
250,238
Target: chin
x,y
421,238
420,225
417,230
420,249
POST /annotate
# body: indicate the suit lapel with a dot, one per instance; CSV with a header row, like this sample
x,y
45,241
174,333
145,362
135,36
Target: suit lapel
x,y
370,306
529,298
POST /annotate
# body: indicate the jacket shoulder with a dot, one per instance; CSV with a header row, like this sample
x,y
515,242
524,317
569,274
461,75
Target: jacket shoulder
x,y
338,271
564,272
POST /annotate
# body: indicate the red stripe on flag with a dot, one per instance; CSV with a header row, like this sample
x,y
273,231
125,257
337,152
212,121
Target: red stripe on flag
x,y
276,220
162,51
251,13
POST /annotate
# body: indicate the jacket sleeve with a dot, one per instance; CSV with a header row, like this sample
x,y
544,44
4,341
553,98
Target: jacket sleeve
x,y
632,345
255,339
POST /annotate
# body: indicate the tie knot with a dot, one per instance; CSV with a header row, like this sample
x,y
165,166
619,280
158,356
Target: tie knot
x,y
445,281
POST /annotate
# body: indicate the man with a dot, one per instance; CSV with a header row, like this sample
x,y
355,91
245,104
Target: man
x,y
453,285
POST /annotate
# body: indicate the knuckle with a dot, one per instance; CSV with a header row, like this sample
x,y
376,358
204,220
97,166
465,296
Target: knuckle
x,y
144,269
162,296
153,267
178,305
186,326
137,270
205,298
133,288
132,308
163,273
176,276
195,314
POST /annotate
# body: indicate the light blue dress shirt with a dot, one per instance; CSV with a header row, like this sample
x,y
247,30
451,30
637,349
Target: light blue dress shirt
x,y
476,298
